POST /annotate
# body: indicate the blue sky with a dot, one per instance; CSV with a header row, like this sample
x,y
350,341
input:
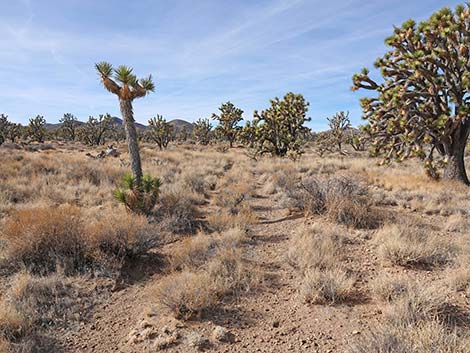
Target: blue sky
x,y
200,52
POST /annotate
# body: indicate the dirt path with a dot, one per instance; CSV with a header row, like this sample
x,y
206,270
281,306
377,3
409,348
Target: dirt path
x,y
272,319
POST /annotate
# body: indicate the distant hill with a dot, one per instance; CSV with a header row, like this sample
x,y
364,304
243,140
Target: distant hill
x,y
177,123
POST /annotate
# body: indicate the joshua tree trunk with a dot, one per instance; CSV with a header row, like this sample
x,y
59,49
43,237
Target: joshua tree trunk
x,y
131,137
455,151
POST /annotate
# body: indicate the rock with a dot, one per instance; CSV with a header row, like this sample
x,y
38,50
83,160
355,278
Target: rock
x,y
221,334
198,341
276,323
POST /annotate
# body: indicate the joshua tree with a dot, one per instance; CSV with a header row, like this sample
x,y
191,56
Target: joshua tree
x,y
94,131
247,134
228,119
37,129
423,103
339,125
357,138
69,126
280,129
160,131
130,89
182,134
4,126
202,131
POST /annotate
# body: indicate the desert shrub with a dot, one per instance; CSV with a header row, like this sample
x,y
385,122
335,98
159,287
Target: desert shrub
x,y
222,219
348,202
32,304
231,273
388,288
177,212
329,286
307,196
120,236
186,293
408,245
342,199
421,302
195,252
232,196
13,324
213,267
41,238
316,246
429,336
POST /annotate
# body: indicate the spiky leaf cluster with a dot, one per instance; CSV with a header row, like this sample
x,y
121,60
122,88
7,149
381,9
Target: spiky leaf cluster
x,y
423,103
123,82
202,131
228,119
139,199
95,131
37,129
280,129
159,131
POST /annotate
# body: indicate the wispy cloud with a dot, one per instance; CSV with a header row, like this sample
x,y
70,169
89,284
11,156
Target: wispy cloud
x,y
201,53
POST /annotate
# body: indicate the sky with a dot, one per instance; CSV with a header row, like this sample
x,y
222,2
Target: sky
x,y
201,53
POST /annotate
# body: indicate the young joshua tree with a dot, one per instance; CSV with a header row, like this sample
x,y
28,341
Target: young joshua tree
x,y
339,125
228,119
202,131
37,129
69,126
160,131
129,89
422,106
138,193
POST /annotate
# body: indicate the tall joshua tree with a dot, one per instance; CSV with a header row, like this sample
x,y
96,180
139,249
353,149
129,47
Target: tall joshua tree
x,y
129,89
422,105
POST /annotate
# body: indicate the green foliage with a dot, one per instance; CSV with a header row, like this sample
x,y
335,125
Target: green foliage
x,y
37,129
280,129
182,134
159,131
202,131
422,105
131,88
228,119
95,131
339,125
4,125
138,199
247,134
69,127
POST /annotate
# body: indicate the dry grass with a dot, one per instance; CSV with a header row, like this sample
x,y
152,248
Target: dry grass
x,y
408,245
388,288
329,286
45,239
425,337
317,252
315,247
188,294
343,200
